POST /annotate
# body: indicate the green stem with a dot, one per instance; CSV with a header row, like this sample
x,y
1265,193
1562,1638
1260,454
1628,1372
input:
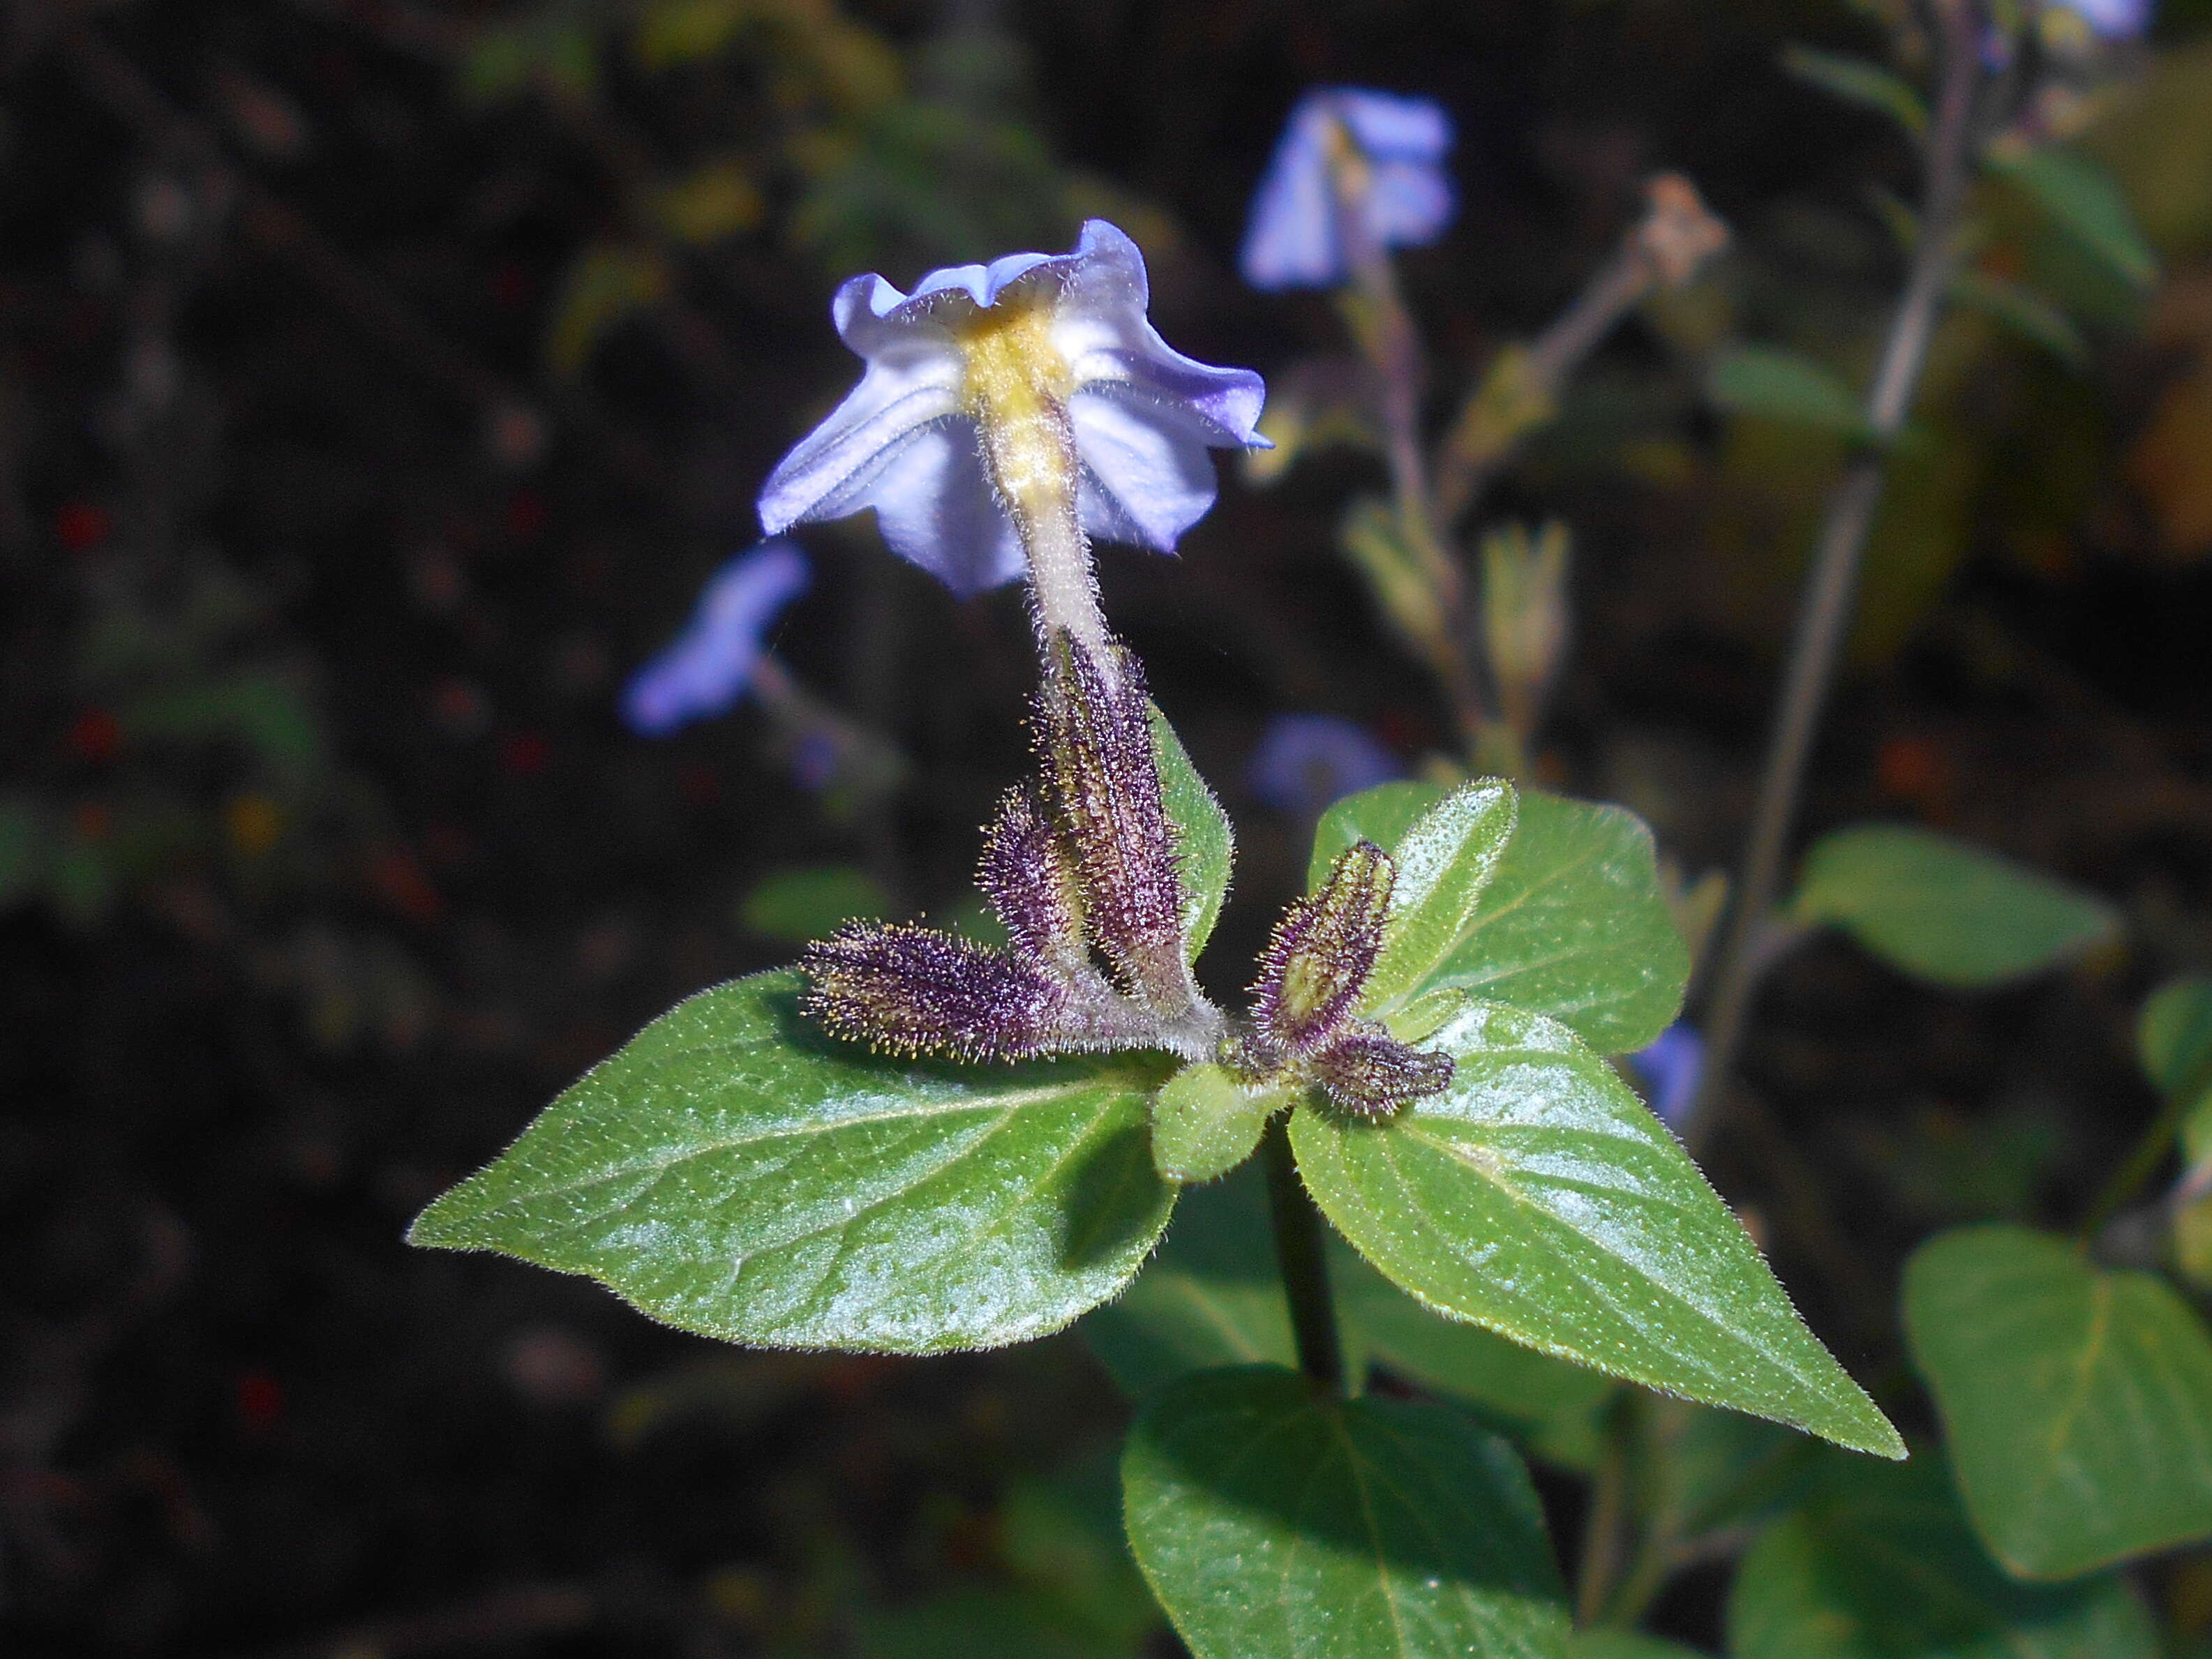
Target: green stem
x,y
1300,1249
1605,1531
1825,617
2142,1161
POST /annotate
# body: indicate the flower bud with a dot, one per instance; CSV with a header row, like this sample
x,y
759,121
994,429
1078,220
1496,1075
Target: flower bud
x,y
1318,958
1369,1072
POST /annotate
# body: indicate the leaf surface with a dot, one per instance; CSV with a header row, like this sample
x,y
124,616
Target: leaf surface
x,y
1270,1521
2078,1401
1784,386
1538,1197
1205,845
1445,859
1856,80
1574,925
1879,1564
1944,911
733,1172
2083,200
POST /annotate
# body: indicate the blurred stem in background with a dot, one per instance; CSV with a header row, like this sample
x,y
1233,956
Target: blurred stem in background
x,y
1491,631
1825,615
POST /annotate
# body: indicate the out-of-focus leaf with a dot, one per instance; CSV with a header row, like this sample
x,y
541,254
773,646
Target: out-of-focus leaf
x,y
710,202
1210,1296
804,904
1547,1405
674,32
507,62
262,710
1375,544
2077,1401
1270,1520
1879,1564
2081,197
2024,311
1942,910
1205,845
977,1621
606,286
1855,81
1538,1197
1626,1644
23,838
2173,1038
1784,386
733,1172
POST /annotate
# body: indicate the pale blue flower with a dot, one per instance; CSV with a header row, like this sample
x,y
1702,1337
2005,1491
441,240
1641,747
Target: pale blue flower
x,y
905,442
1306,762
2114,19
1297,235
1672,1068
708,667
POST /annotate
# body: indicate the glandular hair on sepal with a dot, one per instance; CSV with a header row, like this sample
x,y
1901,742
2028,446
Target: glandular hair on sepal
x,y
1097,745
1368,1073
1322,952
1030,878
915,991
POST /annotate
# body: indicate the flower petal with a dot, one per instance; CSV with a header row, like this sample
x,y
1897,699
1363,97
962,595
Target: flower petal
x,y
936,508
707,667
1146,475
828,472
1293,239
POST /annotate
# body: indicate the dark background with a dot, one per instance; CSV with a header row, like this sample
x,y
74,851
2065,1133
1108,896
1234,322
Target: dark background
x,y
324,558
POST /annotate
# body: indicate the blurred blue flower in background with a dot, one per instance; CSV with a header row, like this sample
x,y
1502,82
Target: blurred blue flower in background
x,y
1395,182
1672,1068
2115,19
905,441
708,667
1305,762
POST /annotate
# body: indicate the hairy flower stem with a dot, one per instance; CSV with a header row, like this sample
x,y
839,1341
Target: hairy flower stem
x,y
1301,1246
1825,615
1016,383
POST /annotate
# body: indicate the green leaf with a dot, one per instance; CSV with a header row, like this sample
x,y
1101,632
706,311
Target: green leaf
x,y
1205,1122
1206,846
2078,1401
1784,386
1943,911
1270,1520
1879,1564
733,1172
2024,311
2174,1038
1855,81
976,1622
1444,859
802,904
1538,1197
1574,925
1211,1295
1382,815
1551,1407
1626,1644
2082,199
